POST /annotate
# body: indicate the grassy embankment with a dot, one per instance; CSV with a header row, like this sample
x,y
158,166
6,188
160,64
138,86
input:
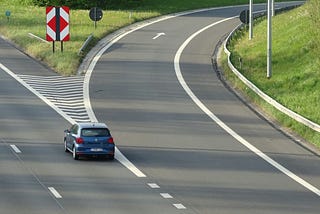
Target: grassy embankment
x,y
296,65
26,19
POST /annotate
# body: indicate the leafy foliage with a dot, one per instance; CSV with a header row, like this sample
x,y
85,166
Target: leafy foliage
x,y
86,4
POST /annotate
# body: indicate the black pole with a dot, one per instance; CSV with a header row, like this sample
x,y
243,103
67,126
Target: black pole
x,y
61,46
52,46
95,18
57,23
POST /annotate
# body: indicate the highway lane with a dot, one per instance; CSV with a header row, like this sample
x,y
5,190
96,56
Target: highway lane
x,y
161,130
21,192
36,130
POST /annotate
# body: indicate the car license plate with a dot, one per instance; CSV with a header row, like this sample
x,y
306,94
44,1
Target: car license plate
x,y
96,150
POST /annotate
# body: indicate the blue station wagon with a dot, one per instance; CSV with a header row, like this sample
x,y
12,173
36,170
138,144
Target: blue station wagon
x,y
89,139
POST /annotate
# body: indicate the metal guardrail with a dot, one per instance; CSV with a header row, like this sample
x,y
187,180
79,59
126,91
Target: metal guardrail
x,y
85,44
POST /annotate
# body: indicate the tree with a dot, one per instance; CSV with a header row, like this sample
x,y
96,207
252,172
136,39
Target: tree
x,y
87,4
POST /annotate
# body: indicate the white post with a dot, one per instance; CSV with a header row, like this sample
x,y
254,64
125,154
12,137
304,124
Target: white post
x,y
250,20
273,11
269,42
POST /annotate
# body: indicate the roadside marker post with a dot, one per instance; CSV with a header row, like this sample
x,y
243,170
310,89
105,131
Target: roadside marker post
x,y
57,25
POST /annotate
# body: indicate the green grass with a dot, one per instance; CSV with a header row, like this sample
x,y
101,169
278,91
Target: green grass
x,y
26,19
296,75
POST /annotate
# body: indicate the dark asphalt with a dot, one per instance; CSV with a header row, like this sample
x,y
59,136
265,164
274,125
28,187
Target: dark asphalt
x,y
158,127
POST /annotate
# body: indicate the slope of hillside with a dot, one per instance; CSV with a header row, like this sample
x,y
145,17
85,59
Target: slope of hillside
x,y
296,64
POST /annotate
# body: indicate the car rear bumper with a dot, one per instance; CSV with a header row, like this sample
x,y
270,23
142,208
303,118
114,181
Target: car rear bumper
x,y
109,154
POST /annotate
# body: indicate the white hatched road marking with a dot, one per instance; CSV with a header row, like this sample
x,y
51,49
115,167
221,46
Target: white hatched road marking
x,y
66,93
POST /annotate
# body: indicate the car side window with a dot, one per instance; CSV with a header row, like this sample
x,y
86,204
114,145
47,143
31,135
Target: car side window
x,y
74,129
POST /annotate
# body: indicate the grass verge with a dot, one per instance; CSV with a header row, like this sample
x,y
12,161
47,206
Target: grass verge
x,y
295,82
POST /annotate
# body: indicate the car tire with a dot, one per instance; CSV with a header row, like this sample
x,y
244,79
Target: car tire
x,y
74,154
111,157
65,146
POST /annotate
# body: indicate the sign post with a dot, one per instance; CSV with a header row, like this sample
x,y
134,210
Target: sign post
x,y
273,9
57,25
269,42
8,13
251,20
95,15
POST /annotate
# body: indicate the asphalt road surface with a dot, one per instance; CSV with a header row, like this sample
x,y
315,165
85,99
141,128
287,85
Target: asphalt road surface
x,y
192,164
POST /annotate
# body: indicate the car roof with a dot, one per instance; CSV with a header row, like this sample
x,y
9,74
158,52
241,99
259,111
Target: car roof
x,y
92,125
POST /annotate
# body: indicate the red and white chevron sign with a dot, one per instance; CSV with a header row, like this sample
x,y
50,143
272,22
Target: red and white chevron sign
x,y
57,24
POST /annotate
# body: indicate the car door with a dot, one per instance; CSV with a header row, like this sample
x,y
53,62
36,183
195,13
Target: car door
x,y
71,135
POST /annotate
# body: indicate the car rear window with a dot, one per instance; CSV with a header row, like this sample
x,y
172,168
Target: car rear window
x,y
95,132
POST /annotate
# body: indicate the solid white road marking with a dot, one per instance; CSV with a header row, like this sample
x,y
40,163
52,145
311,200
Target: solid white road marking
x,y
54,192
222,124
124,161
166,195
180,206
15,148
158,35
154,185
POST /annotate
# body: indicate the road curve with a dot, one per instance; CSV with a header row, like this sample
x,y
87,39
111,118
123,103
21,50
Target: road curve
x,y
159,128
192,165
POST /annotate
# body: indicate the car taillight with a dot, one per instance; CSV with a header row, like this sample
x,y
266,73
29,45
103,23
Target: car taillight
x,y
79,140
110,140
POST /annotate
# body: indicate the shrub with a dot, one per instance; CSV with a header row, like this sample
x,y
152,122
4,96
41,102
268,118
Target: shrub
x,y
87,4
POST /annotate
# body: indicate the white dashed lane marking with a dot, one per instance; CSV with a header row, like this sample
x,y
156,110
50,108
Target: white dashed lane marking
x,y
180,206
166,195
54,192
153,185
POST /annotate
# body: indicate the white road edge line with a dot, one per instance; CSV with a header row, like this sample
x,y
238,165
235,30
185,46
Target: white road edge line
x,y
15,148
222,124
54,192
124,161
